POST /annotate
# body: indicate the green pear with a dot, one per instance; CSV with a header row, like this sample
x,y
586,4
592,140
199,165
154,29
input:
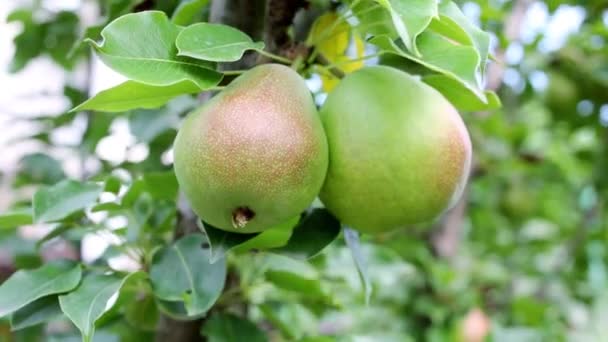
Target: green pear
x,y
399,151
255,155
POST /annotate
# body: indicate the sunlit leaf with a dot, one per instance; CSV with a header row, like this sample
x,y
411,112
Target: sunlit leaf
x,y
141,46
187,11
15,218
26,286
215,42
62,199
131,95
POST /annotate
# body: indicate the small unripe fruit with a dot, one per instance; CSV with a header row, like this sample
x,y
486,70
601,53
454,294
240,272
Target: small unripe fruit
x,y
399,152
255,155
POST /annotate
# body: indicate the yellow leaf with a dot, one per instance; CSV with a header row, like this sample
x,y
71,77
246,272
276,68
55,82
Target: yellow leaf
x,y
329,36
332,36
329,81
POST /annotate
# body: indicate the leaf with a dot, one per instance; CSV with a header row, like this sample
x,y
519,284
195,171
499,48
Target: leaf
x,y
187,11
295,282
112,184
461,97
410,18
312,234
226,327
57,231
98,127
146,125
439,54
62,199
15,218
141,46
131,95
352,241
39,168
36,312
330,34
89,301
453,24
331,37
271,238
106,206
182,272
26,286
176,310
215,42
221,241
142,313
161,185
373,19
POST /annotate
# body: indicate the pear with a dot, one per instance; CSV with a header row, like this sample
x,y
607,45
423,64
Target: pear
x,y
255,155
399,151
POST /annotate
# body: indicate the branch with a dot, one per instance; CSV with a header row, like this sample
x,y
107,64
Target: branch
x,y
280,15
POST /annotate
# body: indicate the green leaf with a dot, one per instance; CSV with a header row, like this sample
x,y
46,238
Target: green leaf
x,y
225,327
131,95
461,97
215,42
39,168
312,234
137,187
146,125
62,199
89,301
187,11
410,18
221,241
15,218
453,24
182,272
141,46
176,310
373,19
161,185
112,184
57,231
352,241
271,238
295,282
459,62
142,312
36,312
26,286
106,206
97,128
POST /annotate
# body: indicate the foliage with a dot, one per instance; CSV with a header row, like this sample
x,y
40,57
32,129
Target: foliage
x,y
531,253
